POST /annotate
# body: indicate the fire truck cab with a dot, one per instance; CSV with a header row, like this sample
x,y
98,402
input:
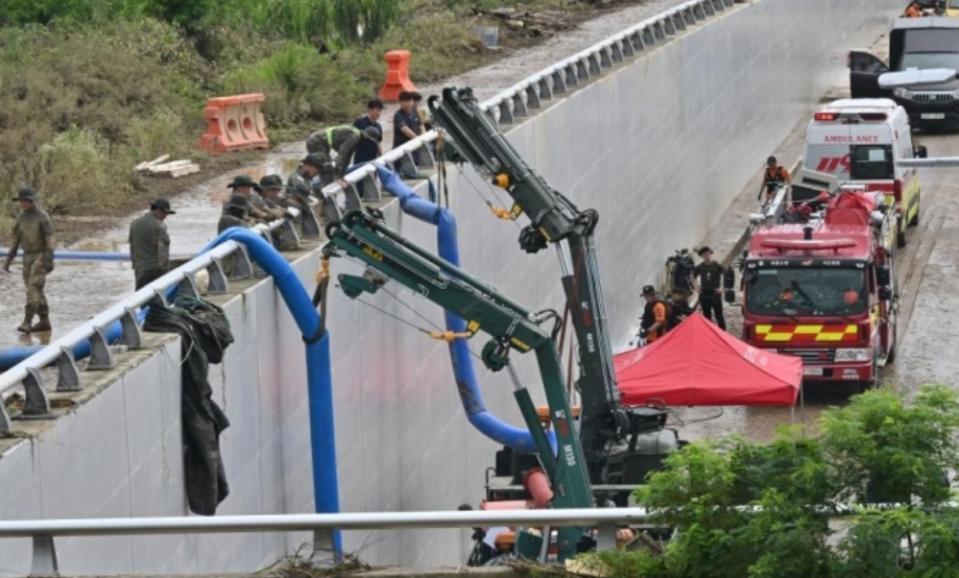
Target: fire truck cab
x,y
825,291
860,141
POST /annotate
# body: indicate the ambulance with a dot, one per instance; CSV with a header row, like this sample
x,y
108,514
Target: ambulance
x,y
860,142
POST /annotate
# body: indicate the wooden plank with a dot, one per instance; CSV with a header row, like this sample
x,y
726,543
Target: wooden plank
x,y
145,165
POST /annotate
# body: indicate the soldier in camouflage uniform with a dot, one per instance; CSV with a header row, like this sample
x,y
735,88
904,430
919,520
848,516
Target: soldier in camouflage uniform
x,y
33,232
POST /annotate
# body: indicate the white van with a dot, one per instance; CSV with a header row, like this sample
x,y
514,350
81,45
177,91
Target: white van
x,y
860,141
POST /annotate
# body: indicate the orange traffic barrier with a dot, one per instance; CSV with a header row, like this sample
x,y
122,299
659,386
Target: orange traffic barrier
x,y
234,123
397,75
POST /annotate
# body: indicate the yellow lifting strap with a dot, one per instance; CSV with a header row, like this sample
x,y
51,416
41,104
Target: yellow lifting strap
x,y
449,336
324,273
506,215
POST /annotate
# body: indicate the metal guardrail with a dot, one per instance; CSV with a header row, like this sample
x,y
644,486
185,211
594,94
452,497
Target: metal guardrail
x,y
27,374
44,559
554,81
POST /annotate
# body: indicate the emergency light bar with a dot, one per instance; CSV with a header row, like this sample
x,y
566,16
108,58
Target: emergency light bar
x,y
850,117
808,244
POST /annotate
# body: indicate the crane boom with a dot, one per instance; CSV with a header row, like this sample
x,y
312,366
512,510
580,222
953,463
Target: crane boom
x,y
512,327
553,219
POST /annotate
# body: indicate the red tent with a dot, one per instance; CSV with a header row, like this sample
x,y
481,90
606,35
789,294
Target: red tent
x,y
699,364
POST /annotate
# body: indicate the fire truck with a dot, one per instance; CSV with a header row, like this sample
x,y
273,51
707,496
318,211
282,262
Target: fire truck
x,y
825,290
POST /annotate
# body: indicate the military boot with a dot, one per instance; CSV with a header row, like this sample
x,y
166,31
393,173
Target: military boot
x,y
27,319
42,325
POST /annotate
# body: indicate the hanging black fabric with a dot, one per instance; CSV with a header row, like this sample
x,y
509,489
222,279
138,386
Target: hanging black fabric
x,y
204,335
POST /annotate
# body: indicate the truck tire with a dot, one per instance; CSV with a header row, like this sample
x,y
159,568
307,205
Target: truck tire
x,y
900,234
915,220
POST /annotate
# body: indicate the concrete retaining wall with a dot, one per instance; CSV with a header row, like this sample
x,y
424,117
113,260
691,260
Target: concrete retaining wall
x,y
659,148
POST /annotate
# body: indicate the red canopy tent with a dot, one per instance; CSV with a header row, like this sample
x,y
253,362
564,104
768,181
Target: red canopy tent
x,y
699,364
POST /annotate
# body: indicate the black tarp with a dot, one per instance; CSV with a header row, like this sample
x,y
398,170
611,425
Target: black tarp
x,y
204,334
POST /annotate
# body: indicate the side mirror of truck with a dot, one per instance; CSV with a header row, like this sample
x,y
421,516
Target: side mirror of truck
x,y
884,276
885,293
920,152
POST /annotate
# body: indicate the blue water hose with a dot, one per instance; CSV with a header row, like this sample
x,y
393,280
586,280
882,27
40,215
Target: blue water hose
x,y
326,493
79,255
448,247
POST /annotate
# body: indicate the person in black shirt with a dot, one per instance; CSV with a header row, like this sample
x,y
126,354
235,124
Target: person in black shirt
x,y
710,276
368,150
678,310
406,123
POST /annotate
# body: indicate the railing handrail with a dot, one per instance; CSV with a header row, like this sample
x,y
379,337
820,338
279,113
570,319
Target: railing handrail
x,y
300,522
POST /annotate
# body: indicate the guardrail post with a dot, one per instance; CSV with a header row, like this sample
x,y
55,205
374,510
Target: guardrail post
x,y
582,72
309,224
4,420
649,36
593,65
218,281
132,335
719,5
505,114
678,22
704,9
658,30
519,107
559,85
370,190
616,51
543,91
241,268
606,538
490,114
571,79
424,158
100,355
604,60
407,166
44,559
689,15
532,95
159,297
669,27
636,41
285,237
35,401
187,287
323,542
68,375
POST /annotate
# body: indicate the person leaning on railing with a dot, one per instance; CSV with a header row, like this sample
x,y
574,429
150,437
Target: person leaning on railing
x,y
150,243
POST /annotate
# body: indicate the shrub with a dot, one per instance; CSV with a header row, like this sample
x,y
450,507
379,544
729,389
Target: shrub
x,y
75,172
301,85
877,445
109,95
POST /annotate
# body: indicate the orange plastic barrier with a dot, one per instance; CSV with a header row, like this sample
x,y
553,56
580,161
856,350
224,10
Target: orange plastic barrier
x,y
234,123
397,75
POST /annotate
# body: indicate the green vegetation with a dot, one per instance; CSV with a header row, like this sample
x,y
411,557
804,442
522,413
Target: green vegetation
x,y
876,449
89,88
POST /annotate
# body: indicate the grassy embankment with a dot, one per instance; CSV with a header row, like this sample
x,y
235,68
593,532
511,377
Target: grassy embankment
x,y
89,88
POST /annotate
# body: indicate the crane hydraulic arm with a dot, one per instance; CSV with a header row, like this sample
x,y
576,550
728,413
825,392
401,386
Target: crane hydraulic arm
x,y
512,327
553,219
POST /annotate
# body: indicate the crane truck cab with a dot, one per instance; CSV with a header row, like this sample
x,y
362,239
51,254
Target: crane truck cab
x,y
825,290
860,142
921,73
